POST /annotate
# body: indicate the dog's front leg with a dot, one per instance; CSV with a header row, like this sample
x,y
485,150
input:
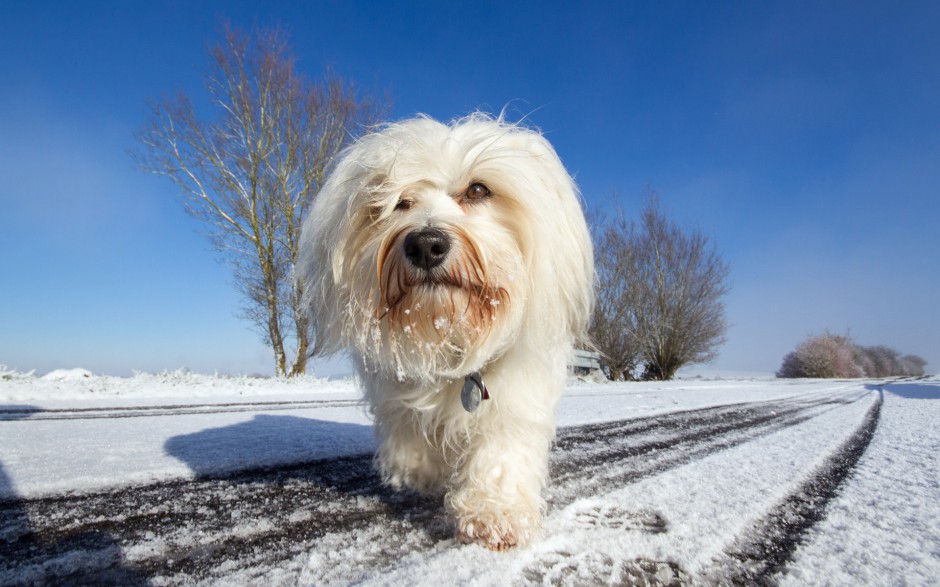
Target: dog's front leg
x,y
409,456
495,495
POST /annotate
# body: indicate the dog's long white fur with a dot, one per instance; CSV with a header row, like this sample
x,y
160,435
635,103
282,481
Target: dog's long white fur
x,y
516,293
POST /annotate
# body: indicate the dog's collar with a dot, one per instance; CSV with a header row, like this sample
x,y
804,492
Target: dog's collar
x,y
474,391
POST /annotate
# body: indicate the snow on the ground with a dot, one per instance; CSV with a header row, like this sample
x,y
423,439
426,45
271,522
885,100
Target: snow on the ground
x,y
47,456
67,385
704,503
883,528
888,517
293,420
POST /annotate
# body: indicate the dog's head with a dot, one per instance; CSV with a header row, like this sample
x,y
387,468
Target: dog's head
x,y
432,248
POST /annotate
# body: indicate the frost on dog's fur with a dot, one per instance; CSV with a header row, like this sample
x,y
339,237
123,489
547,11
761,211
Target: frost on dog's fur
x,y
511,295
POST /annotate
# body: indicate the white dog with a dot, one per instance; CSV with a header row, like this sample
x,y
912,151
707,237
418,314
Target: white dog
x,y
454,261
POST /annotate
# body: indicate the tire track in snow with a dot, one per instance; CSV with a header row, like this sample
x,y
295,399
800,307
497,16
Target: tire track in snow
x,y
181,530
617,453
248,523
770,545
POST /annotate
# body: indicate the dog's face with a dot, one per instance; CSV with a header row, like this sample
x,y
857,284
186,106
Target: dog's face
x,y
449,266
426,247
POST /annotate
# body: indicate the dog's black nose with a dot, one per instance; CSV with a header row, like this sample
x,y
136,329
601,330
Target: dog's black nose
x,y
427,248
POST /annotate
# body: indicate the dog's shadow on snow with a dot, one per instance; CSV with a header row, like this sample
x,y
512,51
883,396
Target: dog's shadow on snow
x,y
276,450
268,441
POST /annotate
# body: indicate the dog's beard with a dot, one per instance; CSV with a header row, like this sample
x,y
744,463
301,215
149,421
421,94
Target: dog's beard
x,y
452,305
430,322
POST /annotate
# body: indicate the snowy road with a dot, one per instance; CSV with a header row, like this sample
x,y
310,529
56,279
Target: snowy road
x,y
720,493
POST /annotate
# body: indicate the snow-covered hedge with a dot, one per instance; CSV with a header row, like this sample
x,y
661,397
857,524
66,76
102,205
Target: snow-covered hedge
x,y
830,355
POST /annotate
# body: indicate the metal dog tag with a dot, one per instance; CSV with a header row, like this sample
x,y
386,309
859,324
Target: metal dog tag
x,y
473,392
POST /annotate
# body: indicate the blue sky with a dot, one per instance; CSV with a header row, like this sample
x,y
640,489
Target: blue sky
x,y
803,137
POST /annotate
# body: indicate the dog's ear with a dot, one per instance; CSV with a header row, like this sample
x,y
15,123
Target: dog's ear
x,y
561,262
323,261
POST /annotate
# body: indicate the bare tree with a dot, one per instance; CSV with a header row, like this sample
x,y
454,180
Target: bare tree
x,y
664,288
613,326
251,169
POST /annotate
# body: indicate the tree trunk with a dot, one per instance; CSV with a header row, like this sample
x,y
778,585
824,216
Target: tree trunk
x,y
300,361
277,343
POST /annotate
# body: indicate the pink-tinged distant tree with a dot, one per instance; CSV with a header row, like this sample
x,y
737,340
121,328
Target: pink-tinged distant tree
x,y
823,356
835,356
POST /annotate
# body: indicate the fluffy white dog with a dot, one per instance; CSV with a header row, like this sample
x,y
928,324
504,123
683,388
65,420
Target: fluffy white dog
x,y
454,261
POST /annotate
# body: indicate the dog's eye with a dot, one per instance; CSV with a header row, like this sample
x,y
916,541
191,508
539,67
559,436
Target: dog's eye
x,y
404,204
477,191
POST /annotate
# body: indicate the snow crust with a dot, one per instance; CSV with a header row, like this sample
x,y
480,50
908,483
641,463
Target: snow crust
x,y
67,433
884,529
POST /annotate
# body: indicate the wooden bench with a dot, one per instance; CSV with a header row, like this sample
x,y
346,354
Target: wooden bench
x,y
582,362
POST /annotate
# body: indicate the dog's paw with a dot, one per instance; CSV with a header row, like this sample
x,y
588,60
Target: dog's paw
x,y
494,532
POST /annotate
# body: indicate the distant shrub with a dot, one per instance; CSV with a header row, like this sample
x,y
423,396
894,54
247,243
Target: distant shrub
x,y
880,361
830,355
825,356
914,365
